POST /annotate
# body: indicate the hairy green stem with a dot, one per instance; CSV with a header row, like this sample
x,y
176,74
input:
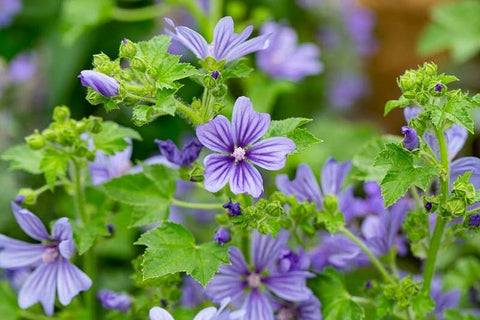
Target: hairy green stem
x,y
372,257
208,101
192,205
441,223
188,113
89,257
140,14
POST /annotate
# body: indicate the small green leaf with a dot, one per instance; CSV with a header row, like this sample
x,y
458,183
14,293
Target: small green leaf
x,y
422,305
392,104
112,137
54,164
22,157
237,69
8,304
290,128
171,249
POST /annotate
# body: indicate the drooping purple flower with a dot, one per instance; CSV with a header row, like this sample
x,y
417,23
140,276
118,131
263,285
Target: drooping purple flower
x,y
101,83
305,310
8,10
346,89
53,272
227,45
233,208
115,301
222,236
474,220
253,288
285,59
210,313
306,188
190,151
239,147
107,167
410,141
22,68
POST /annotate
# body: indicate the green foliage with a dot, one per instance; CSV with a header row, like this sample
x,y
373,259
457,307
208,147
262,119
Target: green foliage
x,y
330,216
171,249
458,315
416,228
455,27
337,304
290,128
402,172
463,275
22,157
54,165
148,193
8,304
112,137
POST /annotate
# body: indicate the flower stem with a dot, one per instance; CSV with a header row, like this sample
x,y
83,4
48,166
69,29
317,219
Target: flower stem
x,y
188,113
192,205
89,257
140,14
208,101
440,223
372,257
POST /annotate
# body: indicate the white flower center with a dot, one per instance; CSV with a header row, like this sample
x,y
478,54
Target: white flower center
x,y
50,254
254,280
239,154
285,314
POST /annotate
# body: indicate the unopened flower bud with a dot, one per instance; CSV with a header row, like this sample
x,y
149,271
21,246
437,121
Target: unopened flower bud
x,y
138,64
128,49
101,83
438,87
29,196
100,60
222,236
428,206
49,134
61,114
152,72
410,141
35,141
209,82
215,74
233,208
474,220
111,228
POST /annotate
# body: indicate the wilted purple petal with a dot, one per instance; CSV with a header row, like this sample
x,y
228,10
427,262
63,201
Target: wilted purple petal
x,y
333,175
70,281
271,153
29,223
248,125
266,249
101,83
190,151
219,169
245,179
410,141
304,186
216,135
40,287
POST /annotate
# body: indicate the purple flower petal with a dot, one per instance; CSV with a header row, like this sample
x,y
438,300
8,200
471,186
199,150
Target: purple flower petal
x,y
266,250
40,287
157,313
216,135
257,306
455,138
114,301
62,230
219,169
30,223
304,186
333,175
70,281
17,254
222,34
271,153
247,47
189,38
67,248
101,83
410,113
206,314
248,125
465,164
246,179
290,286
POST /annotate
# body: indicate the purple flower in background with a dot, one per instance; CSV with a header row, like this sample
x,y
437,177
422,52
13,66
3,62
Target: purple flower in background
x,y
253,289
107,167
52,269
360,24
306,188
227,45
346,89
474,220
233,208
115,301
240,148
17,277
193,294
22,68
410,140
210,313
291,261
284,58
222,236
443,299
101,83
304,310
8,9
190,151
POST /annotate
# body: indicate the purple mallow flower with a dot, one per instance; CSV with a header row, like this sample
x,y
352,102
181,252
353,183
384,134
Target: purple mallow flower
x,y
22,68
346,89
239,147
50,260
360,24
227,45
101,83
283,58
115,301
8,10
410,141
254,288
222,236
193,294
190,152
474,220
443,299
233,208
107,167
288,260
